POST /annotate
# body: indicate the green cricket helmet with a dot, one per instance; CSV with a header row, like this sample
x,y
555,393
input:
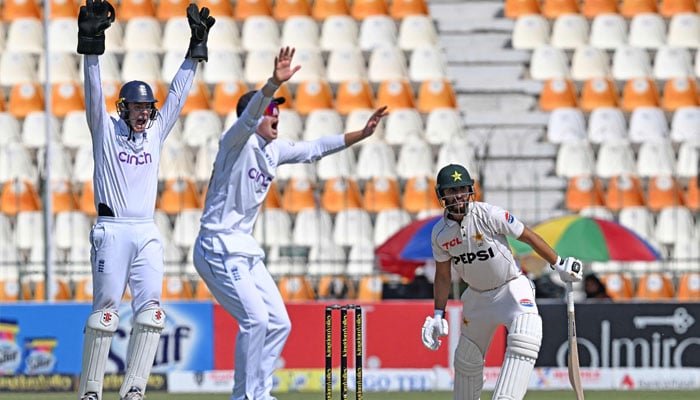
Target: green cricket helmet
x,y
454,176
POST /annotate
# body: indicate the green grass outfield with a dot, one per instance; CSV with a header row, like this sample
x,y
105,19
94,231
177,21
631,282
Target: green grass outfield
x,y
532,395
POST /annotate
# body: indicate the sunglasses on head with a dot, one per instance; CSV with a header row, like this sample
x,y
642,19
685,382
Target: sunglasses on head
x,y
272,110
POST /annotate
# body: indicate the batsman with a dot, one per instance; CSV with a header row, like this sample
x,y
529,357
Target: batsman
x,y
470,239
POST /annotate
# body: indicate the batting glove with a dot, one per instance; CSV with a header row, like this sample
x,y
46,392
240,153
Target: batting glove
x,y
200,23
434,328
94,18
570,269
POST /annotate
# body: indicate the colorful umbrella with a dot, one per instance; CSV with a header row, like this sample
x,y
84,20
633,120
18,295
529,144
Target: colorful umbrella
x,y
590,239
408,248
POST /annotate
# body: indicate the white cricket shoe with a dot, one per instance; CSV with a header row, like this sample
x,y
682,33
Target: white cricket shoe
x,y
89,396
134,394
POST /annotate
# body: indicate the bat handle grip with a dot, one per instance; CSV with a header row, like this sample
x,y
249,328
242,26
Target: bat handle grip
x,y
569,297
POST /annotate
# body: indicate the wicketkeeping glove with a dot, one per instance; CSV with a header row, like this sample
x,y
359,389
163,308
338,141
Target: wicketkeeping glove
x,y
94,18
200,22
434,328
569,268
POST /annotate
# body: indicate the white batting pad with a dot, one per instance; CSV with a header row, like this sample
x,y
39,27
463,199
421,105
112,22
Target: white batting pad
x,y
99,330
524,339
142,348
469,370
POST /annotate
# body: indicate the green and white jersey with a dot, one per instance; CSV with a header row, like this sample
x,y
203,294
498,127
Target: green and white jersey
x,y
478,246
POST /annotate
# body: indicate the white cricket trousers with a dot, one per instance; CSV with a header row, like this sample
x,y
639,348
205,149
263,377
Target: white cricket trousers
x,y
126,250
483,312
244,287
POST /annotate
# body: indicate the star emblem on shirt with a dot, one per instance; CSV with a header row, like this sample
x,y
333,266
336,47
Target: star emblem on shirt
x,y
456,176
478,237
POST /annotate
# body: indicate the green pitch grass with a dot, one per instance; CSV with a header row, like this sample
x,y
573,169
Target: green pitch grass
x,y
532,395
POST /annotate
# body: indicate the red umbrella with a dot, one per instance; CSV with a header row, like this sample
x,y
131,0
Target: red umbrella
x,y
407,249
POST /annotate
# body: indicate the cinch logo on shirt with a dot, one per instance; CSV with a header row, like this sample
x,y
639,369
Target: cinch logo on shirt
x,y
468,258
135,159
259,177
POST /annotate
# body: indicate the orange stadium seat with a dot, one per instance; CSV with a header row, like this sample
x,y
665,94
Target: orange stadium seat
x,y
226,95
689,287
66,97
273,198
64,9
9,290
554,8
624,191
669,8
179,194
63,197
83,289
639,92
664,191
173,9
296,288
25,98
592,8
558,92
692,194
353,95
618,286
18,196
249,8
2,102
598,92
370,288
201,291
218,8
336,287
584,191
517,8
87,199
35,289
435,94
380,194
313,95
395,94
419,195
289,8
14,9
655,286
630,8
128,9
298,195
339,194
322,9
199,98
361,9
403,8
679,92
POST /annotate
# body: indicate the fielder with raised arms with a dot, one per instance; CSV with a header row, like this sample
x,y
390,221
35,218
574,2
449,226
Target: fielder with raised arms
x,y
226,254
471,239
126,243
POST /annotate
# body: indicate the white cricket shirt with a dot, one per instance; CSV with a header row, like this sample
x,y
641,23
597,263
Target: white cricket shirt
x,y
244,167
478,246
126,170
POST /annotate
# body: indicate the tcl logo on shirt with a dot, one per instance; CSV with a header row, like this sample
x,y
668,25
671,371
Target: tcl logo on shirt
x,y
452,243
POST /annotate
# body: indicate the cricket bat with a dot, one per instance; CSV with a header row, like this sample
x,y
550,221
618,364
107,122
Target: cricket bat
x,y
574,371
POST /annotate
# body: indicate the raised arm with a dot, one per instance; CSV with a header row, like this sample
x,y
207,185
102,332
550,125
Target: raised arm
x,y
248,120
94,18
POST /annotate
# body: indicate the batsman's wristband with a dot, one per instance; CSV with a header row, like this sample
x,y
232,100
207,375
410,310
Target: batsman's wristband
x,y
558,262
439,313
